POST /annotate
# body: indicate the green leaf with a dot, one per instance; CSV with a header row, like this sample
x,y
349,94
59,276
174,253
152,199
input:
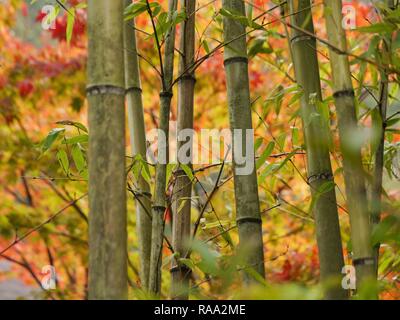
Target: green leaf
x,y
235,16
187,262
83,138
259,46
162,25
216,224
170,169
226,236
181,204
81,5
78,157
188,171
258,143
380,27
136,8
295,136
144,169
255,275
70,24
295,97
51,138
62,158
208,263
169,259
75,124
266,153
283,163
205,46
269,169
157,9
281,140
392,122
323,188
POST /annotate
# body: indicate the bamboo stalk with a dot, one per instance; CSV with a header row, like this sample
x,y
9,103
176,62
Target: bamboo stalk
x,y
246,191
316,138
107,179
138,145
352,162
377,189
181,202
159,198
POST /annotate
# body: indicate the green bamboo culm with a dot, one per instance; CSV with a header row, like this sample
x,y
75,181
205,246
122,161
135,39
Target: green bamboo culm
x,y
138,146
182,191
377,188
107,177
362,254
246,190
159,198
316,136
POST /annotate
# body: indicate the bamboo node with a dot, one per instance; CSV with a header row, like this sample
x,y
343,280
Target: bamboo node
x,y
104,89
343,93
188,76
180,268
248,219
321,176
133,89
146,194
301,37
231,60
166,94
159,208
364,261
179,172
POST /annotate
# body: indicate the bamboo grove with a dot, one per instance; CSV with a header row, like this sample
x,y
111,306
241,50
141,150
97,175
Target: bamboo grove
x,y
248,218
344,173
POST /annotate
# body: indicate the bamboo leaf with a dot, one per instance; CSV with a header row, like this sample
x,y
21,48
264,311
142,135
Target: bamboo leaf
x,y
266,153
258,143
182,203
187,262
62,158
75,124
83,138
79,159
70,24
188,171
259,46
380,27
51,138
